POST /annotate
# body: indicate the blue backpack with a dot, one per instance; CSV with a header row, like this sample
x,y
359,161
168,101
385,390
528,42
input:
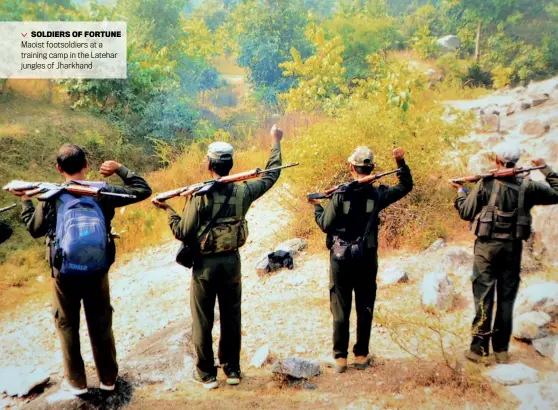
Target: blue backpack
x,y
81,241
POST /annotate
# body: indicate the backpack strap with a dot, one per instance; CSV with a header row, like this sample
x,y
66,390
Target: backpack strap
x,y
238,200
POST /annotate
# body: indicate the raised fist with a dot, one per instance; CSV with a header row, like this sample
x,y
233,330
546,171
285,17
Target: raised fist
x,y
276,133
538,162
398,153
109,168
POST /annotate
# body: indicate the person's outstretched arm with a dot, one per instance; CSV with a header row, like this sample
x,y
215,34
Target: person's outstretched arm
x,y
405,185
134,185
255,189
185,228
542,194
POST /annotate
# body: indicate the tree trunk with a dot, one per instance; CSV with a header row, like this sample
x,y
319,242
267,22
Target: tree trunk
x,y
477,45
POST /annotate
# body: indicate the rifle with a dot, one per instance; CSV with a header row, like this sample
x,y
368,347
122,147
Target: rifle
x,y
204,187
49,190
348,185
494,173
8,208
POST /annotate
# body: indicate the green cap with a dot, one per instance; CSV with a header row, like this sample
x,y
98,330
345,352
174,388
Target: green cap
x,y
220,150
362,157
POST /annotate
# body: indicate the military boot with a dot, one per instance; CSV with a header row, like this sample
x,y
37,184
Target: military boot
x,y
502,357
476,358
341,364
361,362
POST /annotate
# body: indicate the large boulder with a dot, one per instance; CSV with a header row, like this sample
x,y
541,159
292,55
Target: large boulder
x,y
437,291
21,380
537,396
513,374
534,127
517,107
296,367
392,275
548,347
490,122
457,258
449,43
531,325
542,297
544,223
537,99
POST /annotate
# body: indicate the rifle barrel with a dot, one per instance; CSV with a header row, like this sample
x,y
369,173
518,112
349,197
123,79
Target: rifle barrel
x,y
494,174
118,195
7,208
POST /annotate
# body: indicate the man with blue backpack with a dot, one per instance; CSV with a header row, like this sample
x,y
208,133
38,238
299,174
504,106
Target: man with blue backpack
x,y
81,252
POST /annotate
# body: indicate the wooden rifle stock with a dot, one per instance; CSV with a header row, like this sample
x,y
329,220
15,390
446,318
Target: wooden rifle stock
x,y
205,187
494,173
343,187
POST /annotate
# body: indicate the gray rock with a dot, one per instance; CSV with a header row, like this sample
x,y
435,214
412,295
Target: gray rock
x,y
458,258
537,396
297,367
449,43
437,245
517,107
294,246
537,99
548,347
534,127
20,380
542,297
490,141
513,374
392,275
531,325
490,122
492,109
544,223
437,291
261,356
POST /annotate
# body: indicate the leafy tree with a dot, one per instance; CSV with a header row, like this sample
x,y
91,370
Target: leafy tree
x,y
265,38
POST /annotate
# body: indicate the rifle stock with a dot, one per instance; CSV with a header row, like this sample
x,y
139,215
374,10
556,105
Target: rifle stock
x,y
50,190
343,187
203,188
495,174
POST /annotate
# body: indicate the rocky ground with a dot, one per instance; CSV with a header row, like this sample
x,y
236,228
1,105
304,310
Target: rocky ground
x,y
423,315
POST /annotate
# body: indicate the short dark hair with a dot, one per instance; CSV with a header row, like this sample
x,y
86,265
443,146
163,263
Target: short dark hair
x,y
364,169
71,159
221,167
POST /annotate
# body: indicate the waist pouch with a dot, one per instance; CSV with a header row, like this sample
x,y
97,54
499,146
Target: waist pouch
x,y
344,250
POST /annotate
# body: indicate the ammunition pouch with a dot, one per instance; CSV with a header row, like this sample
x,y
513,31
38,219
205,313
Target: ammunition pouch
x,y
492,223
344,250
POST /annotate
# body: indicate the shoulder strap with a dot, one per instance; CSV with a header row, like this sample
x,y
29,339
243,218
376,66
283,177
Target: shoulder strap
x,y
495,194
522,189
216,214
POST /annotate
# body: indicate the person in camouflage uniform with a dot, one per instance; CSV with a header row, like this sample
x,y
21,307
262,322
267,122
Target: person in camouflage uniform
x,y
69,291
344,220
216,273
499,210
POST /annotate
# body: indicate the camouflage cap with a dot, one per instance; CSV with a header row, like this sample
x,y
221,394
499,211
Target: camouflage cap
x,y
508,153
220,150
361,157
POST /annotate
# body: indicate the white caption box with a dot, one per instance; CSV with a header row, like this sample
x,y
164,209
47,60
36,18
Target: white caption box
x,y
58,50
